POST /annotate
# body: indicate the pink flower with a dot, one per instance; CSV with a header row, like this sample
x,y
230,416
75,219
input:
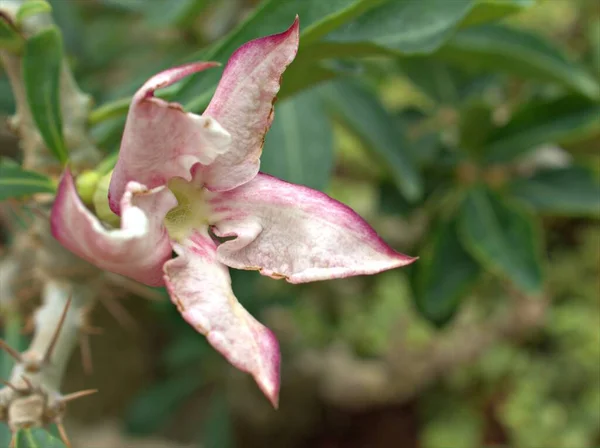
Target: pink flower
x,y
190,184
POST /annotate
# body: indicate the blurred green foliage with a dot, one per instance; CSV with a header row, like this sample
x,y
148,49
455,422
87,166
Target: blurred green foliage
x,y
463,130
548,388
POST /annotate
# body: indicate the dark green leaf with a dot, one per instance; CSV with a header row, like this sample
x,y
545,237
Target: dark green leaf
x,y
433,77
75,33
441,81
503,238
563,191
217,431
317,17
7,102
10,38
444,273
304,76
408,26
489,10
299,146
32,7
108,133
509,50
38,438
365,116
16,183
157,404
563,120
41,73
164,13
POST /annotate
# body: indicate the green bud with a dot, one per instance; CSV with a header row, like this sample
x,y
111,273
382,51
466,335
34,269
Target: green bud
x,y
103,210
86,185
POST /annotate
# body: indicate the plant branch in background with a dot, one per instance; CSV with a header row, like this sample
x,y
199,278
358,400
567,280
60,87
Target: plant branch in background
x,y
31,396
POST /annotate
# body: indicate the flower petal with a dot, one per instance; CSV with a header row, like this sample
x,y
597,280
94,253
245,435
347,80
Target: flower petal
x,y
243,104
293,232
137,250
160,140
200,286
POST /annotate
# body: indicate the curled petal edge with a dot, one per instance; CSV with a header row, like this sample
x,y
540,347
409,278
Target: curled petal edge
x,y
244,104
137,250
161,140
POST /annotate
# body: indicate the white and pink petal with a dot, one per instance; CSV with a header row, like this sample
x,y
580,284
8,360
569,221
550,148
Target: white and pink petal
x,y
137,250
293,232
161,140
200,286
243,104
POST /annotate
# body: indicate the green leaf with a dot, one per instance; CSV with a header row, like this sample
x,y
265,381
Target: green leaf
x,y
304,75
444,274
41,73
10,38
32,7
79,37
442,82
366,117
571,191
490,10
509,50
37,438
7,101
317,17
165,13
408,26
299,146
17,183
563,120
434,78
503,238
111,109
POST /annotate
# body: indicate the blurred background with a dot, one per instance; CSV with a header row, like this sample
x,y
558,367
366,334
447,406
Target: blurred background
x,y
466,132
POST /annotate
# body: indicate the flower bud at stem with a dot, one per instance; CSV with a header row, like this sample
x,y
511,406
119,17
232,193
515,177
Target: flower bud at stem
x,y
100,200
86,185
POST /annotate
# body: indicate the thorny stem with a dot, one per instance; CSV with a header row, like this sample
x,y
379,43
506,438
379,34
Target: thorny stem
x,y
69,286
35,399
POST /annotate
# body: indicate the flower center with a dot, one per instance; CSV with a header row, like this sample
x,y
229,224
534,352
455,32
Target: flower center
x,y
191,211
